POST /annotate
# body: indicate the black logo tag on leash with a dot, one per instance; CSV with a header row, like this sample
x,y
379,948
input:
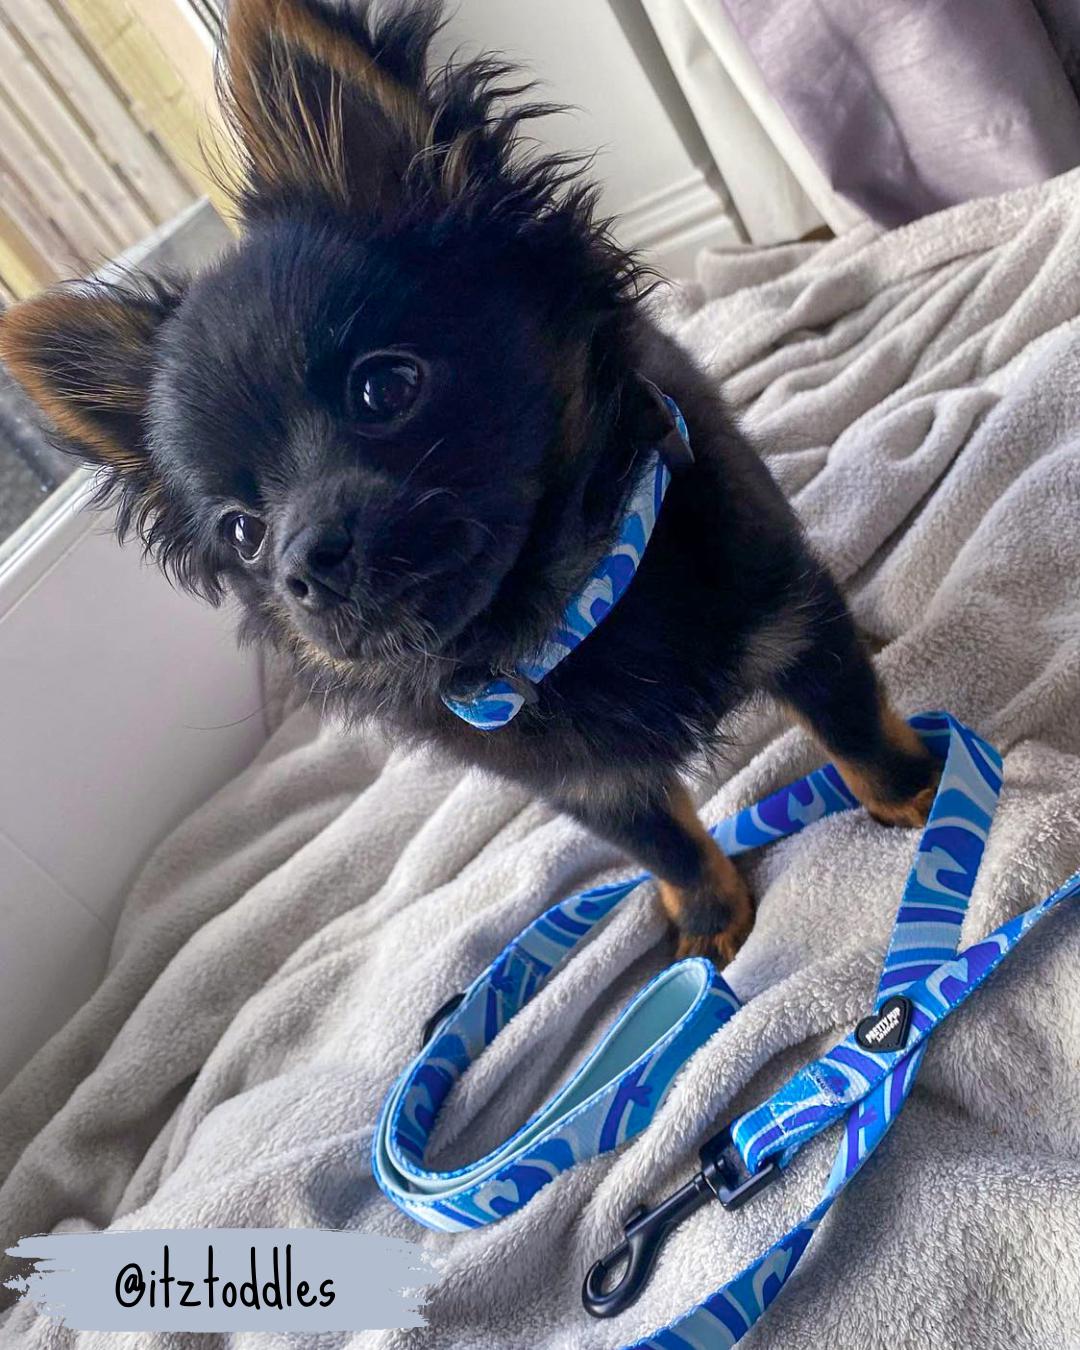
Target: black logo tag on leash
x,y
888,1028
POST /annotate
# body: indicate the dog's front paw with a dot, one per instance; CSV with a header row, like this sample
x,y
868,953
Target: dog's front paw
x,y
911,813
720,947
897,785
712,917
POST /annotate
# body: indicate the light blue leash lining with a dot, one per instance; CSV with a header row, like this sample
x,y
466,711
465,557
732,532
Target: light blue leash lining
x,y
615,1093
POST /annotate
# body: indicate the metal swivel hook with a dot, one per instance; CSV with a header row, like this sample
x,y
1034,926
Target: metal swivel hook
x,y
643,1236
646,1229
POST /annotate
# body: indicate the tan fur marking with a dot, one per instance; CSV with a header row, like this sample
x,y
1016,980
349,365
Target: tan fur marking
x,y
860,777
724,885
288,140
456,167
35,338
910,813
312,655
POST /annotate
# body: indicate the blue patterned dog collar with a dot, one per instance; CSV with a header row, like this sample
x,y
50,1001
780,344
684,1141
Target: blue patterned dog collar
x,y
500,700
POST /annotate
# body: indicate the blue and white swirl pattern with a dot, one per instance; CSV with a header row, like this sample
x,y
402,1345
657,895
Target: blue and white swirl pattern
x,y
729,1313
501,699
924,934
611,1098
871,1088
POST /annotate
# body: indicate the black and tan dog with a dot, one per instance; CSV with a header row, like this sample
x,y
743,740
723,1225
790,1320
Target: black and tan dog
x,y
401,420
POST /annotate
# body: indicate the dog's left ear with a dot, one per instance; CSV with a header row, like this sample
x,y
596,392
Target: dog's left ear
x,y
84,354
327,98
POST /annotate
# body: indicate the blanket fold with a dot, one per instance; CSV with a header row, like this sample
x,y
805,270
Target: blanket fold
x,y
917,394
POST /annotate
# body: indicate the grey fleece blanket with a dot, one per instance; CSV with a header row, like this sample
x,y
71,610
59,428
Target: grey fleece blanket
x,y
918,395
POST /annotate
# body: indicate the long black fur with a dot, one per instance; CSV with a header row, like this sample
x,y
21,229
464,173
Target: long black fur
x,y
480,518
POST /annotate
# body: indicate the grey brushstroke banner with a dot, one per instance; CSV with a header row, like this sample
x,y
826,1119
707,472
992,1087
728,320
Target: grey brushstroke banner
x,y
226,1279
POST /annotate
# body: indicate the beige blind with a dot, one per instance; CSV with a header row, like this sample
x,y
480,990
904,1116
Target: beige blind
x,y
105,108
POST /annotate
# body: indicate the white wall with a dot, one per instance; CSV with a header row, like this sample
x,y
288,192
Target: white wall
x,y
123,704
600,56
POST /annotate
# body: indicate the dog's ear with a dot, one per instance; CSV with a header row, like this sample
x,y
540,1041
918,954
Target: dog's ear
x,y
327,98
84,354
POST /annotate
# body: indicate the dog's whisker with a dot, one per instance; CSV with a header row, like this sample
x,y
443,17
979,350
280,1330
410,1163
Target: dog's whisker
x,y
429,496
436,445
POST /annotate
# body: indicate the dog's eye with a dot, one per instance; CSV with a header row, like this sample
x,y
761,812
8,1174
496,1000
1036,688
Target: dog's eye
x,y
383,388
246,534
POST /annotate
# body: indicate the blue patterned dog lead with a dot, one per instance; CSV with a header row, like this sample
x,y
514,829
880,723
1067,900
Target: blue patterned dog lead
x,y
864,1080
612,1097
502,698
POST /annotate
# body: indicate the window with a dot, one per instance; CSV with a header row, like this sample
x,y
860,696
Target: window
x,y
104,110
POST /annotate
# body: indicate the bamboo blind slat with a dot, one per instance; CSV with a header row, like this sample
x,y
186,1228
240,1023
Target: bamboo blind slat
x,y
70,145
23,269
99,105
184,38
44,248
105,107
89,241
161,99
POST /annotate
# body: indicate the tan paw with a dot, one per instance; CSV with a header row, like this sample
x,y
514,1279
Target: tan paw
x,y
910,814
720,947
715,917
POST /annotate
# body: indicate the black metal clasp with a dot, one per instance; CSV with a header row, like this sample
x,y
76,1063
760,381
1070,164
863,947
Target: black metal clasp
x,y
673,445
438,1017
721,1178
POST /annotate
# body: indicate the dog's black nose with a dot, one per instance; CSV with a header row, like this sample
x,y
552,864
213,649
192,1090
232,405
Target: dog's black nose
x,y
320,565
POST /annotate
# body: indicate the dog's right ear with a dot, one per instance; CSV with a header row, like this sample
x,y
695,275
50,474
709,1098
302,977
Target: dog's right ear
x,y
327,99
